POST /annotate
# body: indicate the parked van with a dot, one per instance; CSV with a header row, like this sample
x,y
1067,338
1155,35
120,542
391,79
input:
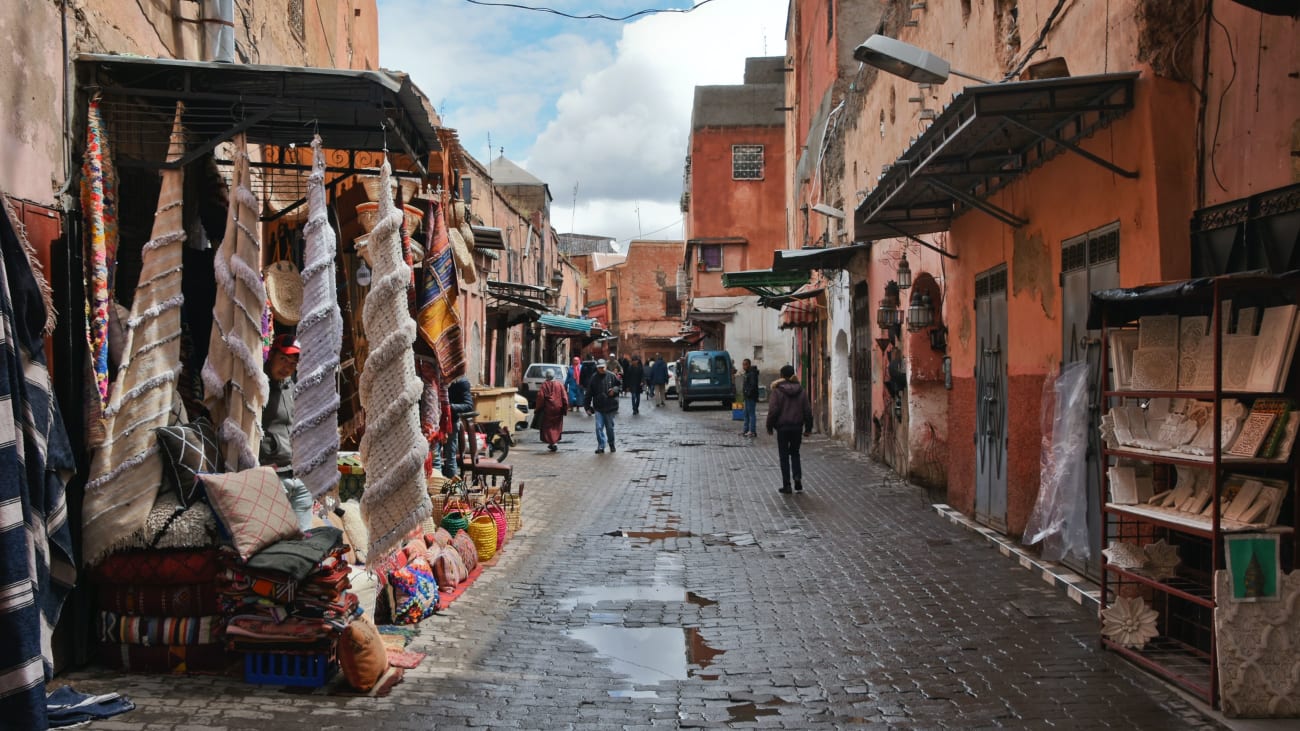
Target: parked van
x,y
705,375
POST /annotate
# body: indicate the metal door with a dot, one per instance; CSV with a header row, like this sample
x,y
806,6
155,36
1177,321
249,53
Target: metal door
x,y
1088,263
861,364
991,398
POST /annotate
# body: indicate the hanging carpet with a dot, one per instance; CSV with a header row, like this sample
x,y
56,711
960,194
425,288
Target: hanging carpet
x,y
436,299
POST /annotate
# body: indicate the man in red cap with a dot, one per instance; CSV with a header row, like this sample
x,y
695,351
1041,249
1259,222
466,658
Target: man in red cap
x,y
277,420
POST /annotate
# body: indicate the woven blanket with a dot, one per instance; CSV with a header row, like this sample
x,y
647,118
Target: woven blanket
x,y
159,567
36,569
315,432
436,299
127,470
167,659
99,202
296,558
395,500
180,600
234,383
136,630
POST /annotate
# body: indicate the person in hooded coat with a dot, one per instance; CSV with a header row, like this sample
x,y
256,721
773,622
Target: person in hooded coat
x,y
573,383
553,403
789,415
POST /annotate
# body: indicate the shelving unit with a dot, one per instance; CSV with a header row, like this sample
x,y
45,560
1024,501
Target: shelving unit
x,y
1184,650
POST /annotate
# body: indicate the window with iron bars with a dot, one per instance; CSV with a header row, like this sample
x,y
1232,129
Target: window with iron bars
x,y
746,162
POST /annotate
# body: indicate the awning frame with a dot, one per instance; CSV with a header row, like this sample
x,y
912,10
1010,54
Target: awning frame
x,y
766,282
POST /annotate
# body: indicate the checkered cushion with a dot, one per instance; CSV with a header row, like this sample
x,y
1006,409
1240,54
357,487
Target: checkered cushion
x,y
253,507
189,449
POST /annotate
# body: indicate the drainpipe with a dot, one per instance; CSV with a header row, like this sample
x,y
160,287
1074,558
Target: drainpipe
x,y
218,30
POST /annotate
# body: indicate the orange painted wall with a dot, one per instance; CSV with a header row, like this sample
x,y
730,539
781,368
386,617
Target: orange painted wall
x,y
736,208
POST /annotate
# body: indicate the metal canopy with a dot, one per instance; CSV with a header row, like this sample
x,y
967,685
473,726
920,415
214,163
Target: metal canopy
x,y
274,105
486,237
834,257
581,325
803,293
516,302
989,136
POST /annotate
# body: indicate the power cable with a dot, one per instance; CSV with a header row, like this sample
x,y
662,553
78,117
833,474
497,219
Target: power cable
x,y
1038,42
591,16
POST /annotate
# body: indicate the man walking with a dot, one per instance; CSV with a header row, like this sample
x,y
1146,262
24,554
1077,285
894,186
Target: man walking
x,y
659,379
602,401
633,376
749,392
789,414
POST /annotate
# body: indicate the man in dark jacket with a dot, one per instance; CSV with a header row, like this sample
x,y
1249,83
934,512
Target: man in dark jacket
x,y
659,379
633,376
789,414
276,449
602,400
749,392
461,400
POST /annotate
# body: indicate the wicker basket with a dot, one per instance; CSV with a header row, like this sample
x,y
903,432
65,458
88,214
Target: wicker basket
x,y
410,187
483,531
368,216
498,515
513,506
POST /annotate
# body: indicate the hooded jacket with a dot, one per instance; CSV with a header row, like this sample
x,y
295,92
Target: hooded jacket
x,y
788,407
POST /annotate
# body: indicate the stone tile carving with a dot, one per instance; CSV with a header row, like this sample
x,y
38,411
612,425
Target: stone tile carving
x,y
1258,643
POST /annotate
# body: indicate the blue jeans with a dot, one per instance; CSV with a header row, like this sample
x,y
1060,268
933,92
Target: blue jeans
x,y
299,498
445,458
636,400
605,429
751,416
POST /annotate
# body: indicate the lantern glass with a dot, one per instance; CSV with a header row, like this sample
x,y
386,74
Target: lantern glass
x,y
887,315
920,315
904,274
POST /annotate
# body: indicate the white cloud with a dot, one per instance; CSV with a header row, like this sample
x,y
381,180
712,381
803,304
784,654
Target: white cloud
x,y
603,105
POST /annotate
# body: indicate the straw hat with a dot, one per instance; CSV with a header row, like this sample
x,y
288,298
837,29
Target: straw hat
x,y
410,187
467,233
456,214
284,291
464,260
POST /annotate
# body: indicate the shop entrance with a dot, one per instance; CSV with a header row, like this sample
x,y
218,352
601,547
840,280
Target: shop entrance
x,y
991,398
1088,263
861,365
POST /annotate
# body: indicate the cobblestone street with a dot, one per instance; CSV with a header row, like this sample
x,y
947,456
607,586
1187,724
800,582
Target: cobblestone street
x,y
852,605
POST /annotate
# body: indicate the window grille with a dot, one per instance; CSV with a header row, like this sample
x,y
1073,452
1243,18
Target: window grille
x,y
747,162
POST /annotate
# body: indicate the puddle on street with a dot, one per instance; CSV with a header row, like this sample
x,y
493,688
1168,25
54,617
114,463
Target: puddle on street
x,y
596,594
646,655
748,712
699,601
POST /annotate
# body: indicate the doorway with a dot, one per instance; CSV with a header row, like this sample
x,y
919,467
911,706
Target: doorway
x,y
991,398
1088,263
860,363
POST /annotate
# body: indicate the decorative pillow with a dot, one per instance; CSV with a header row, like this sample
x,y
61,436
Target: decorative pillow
x,y
448,568
362,655
189,449
412,592
354,529
253,508
439,537
464,545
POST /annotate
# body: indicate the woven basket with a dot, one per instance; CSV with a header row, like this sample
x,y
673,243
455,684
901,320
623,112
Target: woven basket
x,y
464,260
368,215
410,187
483,531
284,291
498,516
513,507
455,516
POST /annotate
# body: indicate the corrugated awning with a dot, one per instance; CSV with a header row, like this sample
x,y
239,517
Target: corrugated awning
x,y
800,313
486,237
766,282
833,257
989,136
579,325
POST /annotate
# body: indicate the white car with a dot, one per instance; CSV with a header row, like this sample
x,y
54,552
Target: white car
x,y
535,376
672,380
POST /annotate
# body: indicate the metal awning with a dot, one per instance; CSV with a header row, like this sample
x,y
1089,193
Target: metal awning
x,y
833,257
486,237
986,138
274,105
580,325
516,302
803,293
799,314
766,282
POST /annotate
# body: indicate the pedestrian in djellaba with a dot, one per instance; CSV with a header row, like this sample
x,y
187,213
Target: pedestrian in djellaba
x,y
553,403
789,415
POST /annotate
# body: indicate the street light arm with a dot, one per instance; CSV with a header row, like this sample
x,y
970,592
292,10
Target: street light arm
x,y
972,77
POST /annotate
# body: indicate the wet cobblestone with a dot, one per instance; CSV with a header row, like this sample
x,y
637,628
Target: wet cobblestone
x,y
852,605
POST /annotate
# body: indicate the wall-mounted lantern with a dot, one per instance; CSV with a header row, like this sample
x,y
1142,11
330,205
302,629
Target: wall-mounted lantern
x,y
920,314
904,275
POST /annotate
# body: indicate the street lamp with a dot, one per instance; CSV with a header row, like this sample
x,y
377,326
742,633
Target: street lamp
x,y
908,61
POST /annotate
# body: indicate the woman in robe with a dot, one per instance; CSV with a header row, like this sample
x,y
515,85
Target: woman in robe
x,y
553,402
572,382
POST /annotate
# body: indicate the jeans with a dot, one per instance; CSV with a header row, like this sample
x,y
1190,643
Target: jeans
x,y
300,498
636,400
787,448
751,416
605,429
449,463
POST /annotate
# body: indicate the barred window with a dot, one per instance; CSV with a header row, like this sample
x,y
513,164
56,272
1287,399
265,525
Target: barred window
x,y
746,162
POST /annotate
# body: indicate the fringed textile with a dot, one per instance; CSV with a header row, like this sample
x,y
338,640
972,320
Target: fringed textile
x,y
315,431
98,201
36,564
126,471
234,382
436,300
395,500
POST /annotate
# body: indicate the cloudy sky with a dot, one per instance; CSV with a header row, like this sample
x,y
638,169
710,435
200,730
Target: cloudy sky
x,y
604,106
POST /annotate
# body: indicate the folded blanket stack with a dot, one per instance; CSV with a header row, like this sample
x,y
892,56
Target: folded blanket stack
x,y
159,611
290,598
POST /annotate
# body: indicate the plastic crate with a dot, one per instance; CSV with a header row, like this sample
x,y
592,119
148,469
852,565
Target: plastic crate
x,y
303,671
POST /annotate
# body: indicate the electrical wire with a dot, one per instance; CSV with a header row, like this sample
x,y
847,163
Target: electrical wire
x,y
1038,42
591,16
1218,123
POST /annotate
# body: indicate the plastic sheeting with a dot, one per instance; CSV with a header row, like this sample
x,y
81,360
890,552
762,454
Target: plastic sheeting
x,y
1060,516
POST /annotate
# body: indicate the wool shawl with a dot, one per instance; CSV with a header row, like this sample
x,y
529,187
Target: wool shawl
x,y
36,565
315,431
395,500
234,383
127,469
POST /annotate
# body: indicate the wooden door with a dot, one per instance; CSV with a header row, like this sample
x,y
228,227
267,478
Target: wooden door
x,y
991,398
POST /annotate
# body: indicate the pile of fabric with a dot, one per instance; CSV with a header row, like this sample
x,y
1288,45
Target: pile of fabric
x,y
290,598
159,611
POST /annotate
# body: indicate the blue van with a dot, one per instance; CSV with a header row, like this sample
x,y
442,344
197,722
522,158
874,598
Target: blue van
x,y
705,375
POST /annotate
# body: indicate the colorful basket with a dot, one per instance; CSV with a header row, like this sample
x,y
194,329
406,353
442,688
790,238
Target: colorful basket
x,y
483,531
513,506
498,516
456,518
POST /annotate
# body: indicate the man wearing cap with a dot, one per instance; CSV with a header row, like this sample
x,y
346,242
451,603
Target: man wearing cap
x,y
277,420
602,400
